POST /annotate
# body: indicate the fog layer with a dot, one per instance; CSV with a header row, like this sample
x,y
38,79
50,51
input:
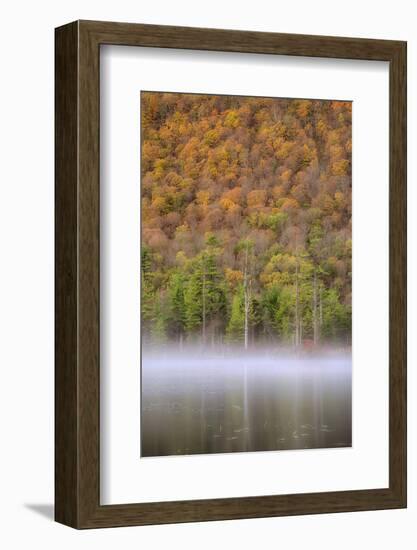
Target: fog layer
x,y
208,402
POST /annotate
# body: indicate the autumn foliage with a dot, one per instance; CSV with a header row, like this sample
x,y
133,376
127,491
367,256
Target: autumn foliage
x,y
246,219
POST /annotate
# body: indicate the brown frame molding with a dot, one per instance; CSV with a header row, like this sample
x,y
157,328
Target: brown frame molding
x,y
77,373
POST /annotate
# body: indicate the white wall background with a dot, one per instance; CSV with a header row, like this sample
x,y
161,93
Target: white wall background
x,y
26,272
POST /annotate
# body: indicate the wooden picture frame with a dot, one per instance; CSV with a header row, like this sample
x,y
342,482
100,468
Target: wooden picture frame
x,y
77,371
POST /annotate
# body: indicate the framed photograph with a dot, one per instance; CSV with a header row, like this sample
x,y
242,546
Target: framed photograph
x,y
230,274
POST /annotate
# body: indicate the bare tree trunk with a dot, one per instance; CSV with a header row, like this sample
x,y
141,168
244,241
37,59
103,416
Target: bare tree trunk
x,y
315,325
321,307
297,321
204,303
246,322
247,300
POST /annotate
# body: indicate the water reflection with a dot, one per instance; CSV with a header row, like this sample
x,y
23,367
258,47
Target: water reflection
x,y
222,404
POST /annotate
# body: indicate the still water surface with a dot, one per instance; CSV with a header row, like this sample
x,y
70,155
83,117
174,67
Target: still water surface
x,y
200,403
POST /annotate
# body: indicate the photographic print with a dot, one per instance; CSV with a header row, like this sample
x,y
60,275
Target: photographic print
x,y
246,273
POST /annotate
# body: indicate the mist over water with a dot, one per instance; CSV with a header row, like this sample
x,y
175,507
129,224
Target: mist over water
x,y
199,401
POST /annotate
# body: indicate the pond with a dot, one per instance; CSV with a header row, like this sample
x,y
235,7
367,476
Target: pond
x,y
221,403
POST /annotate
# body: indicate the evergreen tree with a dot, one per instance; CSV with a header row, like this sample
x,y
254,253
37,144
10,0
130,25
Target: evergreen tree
x,y
236,324
176,305
147,291
159,321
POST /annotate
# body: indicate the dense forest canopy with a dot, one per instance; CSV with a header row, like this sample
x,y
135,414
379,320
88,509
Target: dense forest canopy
x,y
246,220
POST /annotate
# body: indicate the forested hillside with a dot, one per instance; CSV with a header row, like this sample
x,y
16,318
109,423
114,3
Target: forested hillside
x,y
246,220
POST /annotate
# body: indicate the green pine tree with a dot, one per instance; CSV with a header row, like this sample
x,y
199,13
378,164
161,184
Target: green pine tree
x,y
236,324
